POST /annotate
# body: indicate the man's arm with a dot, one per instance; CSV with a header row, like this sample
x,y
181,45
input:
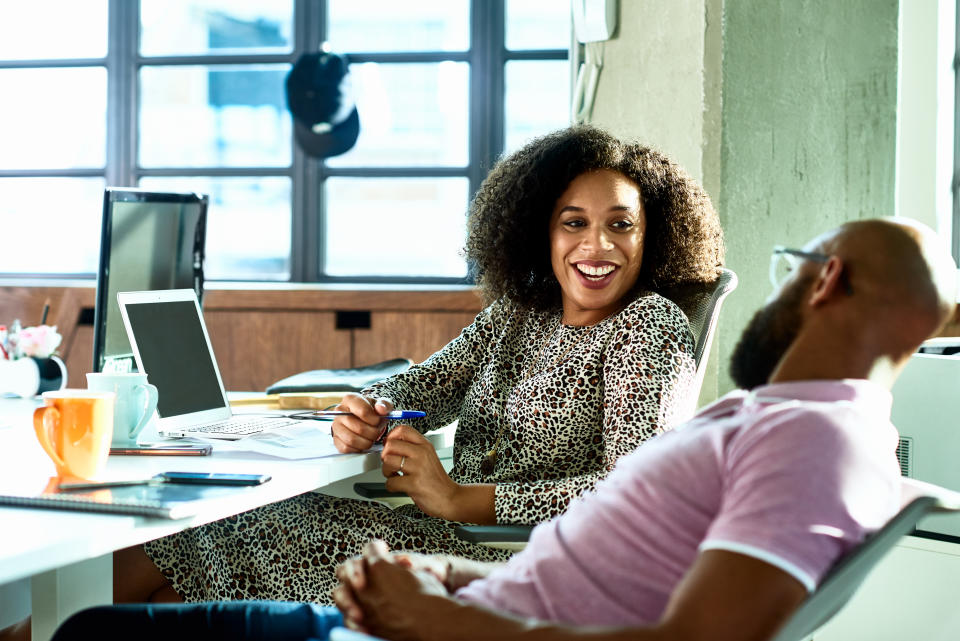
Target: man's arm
x,y
724,597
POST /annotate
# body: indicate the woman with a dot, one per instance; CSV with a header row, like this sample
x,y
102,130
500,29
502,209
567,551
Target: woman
x,y
574,363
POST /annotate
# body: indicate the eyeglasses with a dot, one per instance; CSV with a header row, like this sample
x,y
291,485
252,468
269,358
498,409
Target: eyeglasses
x,y
784,261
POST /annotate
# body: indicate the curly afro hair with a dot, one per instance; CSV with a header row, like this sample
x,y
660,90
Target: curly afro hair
x,y
508,224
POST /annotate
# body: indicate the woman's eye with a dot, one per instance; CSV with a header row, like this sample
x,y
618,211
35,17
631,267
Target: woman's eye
x,y
573,223
623,225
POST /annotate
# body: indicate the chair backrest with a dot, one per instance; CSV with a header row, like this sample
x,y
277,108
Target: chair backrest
x,y
701,303
848,573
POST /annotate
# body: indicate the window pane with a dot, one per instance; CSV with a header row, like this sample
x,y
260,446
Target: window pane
x,y
381,226
197,116
389,25
537,100
248,225
538,24
63,123
52,225
184,27
28,31
410,115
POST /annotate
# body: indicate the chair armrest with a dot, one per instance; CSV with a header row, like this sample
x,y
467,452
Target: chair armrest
x,y
494,533
376,491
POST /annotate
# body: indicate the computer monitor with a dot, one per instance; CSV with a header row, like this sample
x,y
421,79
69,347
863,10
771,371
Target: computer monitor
x,y
149,240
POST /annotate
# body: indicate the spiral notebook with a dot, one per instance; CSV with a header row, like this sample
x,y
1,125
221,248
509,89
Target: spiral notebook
x,y
161,500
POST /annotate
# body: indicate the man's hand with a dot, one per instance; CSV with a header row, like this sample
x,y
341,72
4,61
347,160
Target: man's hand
x,y
359,430
383,593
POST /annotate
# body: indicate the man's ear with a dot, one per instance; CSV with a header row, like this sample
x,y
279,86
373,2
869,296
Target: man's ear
x,y
829,282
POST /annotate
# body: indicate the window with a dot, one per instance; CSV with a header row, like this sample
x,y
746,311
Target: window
x,y
189,95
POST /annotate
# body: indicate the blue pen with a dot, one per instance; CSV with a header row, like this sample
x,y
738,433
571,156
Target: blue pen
x,y
393,416
401,414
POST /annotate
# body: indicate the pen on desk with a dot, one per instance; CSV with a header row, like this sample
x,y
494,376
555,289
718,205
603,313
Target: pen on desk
x,y
46,310
394,415
94,485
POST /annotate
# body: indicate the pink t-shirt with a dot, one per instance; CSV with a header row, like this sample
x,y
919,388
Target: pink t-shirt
x,y
794,474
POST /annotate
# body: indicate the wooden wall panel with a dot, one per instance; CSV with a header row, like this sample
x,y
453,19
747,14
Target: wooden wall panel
x,y
24,303
66,306
414,335
257,348
322,298
261,334
76,350
78,356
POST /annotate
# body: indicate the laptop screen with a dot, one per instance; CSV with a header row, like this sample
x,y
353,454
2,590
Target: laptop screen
x,y
175,356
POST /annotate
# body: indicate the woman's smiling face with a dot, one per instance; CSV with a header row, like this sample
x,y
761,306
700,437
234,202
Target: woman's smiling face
x,y
596,244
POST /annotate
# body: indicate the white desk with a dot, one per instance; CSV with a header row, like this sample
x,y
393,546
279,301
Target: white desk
x,y
68,555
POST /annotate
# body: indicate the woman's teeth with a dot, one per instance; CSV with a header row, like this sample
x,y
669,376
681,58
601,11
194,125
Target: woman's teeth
x,y
595,272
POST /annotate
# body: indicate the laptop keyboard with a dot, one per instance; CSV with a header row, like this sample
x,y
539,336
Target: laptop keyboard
x,y
246,426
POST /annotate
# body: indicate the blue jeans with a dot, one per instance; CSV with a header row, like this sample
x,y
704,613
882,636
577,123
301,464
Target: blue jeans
x,y
212,621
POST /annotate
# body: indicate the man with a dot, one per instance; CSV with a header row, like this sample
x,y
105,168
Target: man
x,y
716,530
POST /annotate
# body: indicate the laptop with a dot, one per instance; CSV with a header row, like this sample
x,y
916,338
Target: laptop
x,y
171,346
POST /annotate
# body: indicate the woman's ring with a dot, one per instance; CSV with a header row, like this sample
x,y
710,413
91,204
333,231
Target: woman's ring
x,y
403,460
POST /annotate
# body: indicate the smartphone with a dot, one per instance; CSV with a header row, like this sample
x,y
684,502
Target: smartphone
x,y
213,478
164,450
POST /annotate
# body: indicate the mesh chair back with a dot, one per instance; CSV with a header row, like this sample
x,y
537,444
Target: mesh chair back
x,y
848,574
701,303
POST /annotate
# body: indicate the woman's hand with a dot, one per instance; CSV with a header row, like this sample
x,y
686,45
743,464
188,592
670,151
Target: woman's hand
x,y
359,430
411,465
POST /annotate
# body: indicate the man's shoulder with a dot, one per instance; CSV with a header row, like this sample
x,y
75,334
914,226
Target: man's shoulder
x,y
813,426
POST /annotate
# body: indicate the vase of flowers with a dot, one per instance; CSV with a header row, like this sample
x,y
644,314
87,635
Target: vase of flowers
x,y
29,364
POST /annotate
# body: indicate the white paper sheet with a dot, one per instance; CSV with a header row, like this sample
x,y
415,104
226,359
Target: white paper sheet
x,y
297,442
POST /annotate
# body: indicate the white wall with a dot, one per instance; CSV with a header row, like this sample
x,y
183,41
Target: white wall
x,y
925,101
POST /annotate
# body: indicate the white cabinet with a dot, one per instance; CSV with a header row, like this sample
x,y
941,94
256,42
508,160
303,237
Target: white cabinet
x,y
912,595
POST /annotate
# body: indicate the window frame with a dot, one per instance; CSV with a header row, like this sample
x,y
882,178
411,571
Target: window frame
x,y
955,181
487,58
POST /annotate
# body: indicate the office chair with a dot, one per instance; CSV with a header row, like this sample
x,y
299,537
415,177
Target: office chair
x,y
701,303
848,574
350,379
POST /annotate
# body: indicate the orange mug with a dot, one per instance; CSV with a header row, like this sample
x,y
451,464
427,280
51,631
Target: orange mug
x,y
74,428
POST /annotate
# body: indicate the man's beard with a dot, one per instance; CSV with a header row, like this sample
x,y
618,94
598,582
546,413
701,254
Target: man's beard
x,y
767,337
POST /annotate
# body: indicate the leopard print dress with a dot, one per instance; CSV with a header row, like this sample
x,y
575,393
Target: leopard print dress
x,y
562,403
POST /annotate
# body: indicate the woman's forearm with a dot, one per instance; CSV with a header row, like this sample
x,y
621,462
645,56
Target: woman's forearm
x,y
472,503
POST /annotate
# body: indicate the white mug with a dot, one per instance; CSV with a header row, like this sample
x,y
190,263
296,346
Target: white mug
x,y
135,405
20,377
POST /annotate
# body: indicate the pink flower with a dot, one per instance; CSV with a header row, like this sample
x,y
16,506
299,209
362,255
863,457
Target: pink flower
x,y
40,341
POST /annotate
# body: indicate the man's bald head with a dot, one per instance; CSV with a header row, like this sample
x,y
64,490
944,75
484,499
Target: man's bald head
x,y
883,286
898,269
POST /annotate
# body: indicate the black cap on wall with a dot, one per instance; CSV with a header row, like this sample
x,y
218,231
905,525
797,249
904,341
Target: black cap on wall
x,y
320,97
